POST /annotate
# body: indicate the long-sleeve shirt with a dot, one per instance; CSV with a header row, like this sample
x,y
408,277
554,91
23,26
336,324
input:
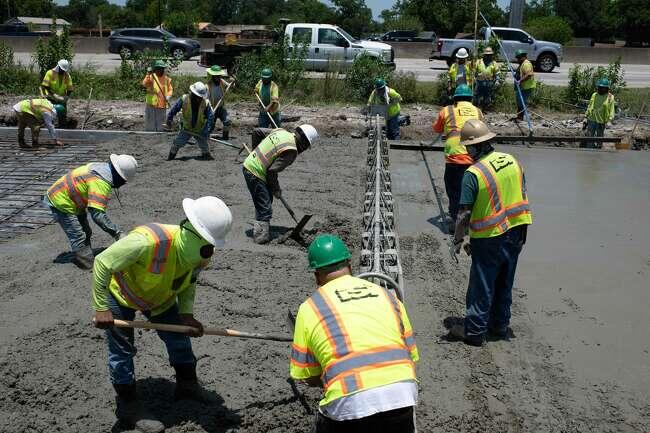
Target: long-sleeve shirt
x,y
48,120
209,116
601,108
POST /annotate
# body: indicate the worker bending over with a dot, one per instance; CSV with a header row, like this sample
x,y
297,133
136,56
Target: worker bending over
x,y
525,80
269,93
487,71
384,95
494,206
56,87
217,87
600,112
159,93
34,113
154,270
449,122
460,72
197,120
353,338
273,151
87,189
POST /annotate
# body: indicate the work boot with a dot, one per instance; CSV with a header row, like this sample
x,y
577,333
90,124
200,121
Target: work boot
x,y
171,155
205,156
225,135
23,144
130,414
84,257
187,384
261,232
457,333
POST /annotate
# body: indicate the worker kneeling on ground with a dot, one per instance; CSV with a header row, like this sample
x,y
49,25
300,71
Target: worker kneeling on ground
x,y
273,151
217,85
600,112
450,121
197,120
354,339
56,87
494,206
87,188
384,95
32,114
154,270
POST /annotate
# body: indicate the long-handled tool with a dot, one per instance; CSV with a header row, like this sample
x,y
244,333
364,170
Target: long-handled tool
x,y
88,112
225,92
294,233
265,110
184,329
224,142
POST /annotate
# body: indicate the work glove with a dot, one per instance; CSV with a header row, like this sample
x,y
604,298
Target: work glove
x,y
103,319
189,320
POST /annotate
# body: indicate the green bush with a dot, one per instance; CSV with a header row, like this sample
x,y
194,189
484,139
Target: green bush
x,y
56,47
405,84
582,81
6,56
360,76
552,28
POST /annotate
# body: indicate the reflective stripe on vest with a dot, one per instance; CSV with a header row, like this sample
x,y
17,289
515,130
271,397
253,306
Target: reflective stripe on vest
x,y
453,126
128,293
303,357
69,184
409,340
499,216
161,250
267,158
263,156
187,115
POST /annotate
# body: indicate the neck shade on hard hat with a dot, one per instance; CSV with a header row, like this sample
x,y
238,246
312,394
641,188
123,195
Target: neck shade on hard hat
x,y
195,242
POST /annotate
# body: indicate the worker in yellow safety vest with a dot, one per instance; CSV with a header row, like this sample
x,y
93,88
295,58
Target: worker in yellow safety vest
x,y
56,87
354,339
487,72
32,114
197,120
525,81
159,92
87,189
494,206
600,113
273,151
449,122
384,95
218,85
154,270
460,72
269,92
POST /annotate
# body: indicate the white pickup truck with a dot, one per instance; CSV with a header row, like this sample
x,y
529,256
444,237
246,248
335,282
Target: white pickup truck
x,y
328,43
544,55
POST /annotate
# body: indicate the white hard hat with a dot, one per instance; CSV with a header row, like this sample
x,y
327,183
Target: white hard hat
x,y
211,217
199,89
125,165
64,65
462,54
309,132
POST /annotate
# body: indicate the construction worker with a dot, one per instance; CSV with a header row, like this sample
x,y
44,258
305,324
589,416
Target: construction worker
x,y
384,95
460,72
354,339
487,71
269,93
154,270
86,189
197,120
56,87
270,155
217,85
600,112
494,206
159,93
449,122
34,113
525,80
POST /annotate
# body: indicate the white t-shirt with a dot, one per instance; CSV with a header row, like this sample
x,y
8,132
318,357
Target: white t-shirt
x,y
372,401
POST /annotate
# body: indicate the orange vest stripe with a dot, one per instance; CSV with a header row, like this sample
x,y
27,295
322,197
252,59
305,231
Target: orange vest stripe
x,y
453,125
161,250
494,193
128,293
302,357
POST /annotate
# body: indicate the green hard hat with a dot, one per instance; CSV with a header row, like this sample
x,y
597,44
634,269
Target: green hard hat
x,y
463,90
379,83
520,53
326,250
603,82
159,64
267,73
60,109
216,70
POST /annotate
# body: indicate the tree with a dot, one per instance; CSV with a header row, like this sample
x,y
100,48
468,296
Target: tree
x,y
353,16
401,22
595,18
554,29
635,21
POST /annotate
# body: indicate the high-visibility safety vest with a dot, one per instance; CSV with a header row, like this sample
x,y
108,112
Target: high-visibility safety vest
x,y
260,159
158,89
149,284
487,73
78,189
390,98
455,117
453,74
36,107
273,95
501,202
187,115
601,108
356,336
525,68
58,83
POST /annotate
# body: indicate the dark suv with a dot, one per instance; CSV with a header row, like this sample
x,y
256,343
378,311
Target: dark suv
x,y
127,41
400,36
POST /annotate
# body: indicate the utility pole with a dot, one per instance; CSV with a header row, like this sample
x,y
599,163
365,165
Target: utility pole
x,y
516,13
99,18
159,14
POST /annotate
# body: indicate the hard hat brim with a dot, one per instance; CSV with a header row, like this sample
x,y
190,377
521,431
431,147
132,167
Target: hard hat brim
x,y
220,73
479,140
461,56
113,159
188,208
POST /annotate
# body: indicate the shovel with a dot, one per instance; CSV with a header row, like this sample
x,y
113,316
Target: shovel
x,y
295,232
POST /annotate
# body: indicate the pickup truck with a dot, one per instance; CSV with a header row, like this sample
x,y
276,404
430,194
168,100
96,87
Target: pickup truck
x,y
544,55
325,43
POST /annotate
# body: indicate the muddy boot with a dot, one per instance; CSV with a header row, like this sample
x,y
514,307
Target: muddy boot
x,y
171,155
205,156
84,257
23,144
187,384
129,412
261,232
457,333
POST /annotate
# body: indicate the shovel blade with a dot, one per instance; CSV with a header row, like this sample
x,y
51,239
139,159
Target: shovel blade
x,y
295,232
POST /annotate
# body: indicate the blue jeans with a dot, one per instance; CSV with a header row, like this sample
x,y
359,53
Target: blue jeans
x,y
520,105
76,227
594,129
183,137
484,92
121,346
489,294
262,196
393,128
264,121
453,183
221,114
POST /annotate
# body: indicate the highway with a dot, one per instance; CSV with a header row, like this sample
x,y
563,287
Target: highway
x,y
424,70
